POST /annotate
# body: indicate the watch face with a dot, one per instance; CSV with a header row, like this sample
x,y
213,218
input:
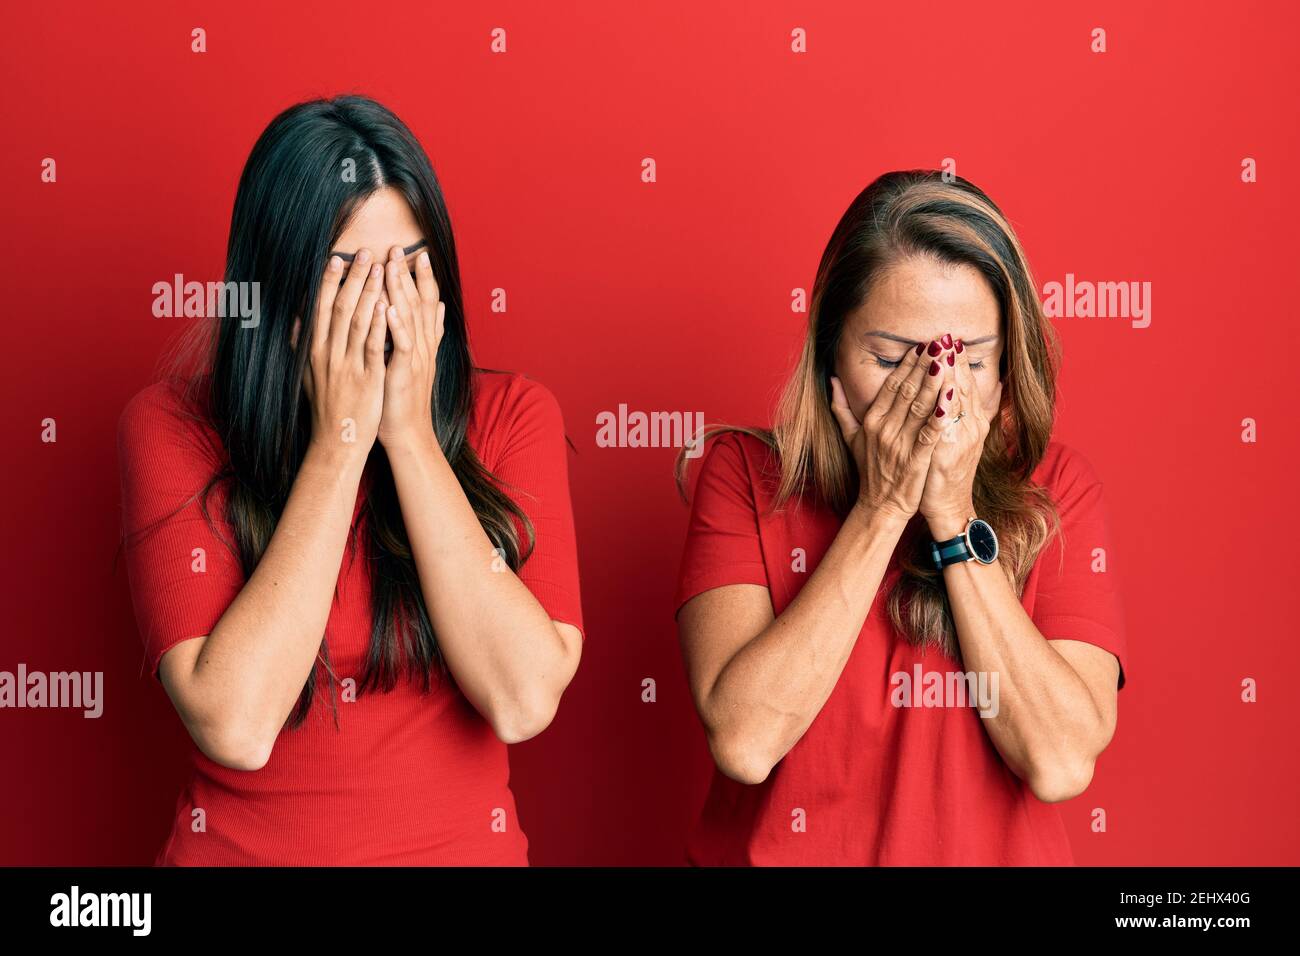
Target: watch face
x,y
983,542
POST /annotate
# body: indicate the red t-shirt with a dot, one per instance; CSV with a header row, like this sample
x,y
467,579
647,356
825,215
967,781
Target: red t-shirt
x,y
871,783
405,779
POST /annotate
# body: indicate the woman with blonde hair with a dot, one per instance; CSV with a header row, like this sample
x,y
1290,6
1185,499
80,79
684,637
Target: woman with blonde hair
x,y
893,629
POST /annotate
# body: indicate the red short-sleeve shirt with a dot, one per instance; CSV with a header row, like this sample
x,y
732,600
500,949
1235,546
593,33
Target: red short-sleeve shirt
x,y
872,783
404,779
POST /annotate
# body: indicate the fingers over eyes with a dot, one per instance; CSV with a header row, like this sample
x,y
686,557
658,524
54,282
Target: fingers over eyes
x,y
329,289
375,337
967,387
910,416
408,284
364,314
898,390
401,294
400,330
425,282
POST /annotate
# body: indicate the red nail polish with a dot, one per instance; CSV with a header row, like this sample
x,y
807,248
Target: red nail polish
x,y
920,347
952,359
934,368
938,413
960,347
935,348
946,341
949,395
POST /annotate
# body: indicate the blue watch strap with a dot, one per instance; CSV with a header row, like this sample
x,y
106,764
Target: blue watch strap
x,y
949,552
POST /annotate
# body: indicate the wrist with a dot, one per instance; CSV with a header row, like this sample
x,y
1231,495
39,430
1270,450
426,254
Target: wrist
x,y
337,456
410,443
949,524
879,518
337,465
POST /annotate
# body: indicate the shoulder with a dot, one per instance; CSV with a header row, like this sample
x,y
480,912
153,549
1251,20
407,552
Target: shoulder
x,y
164,417
1065,468
741,461
509,407
154,404
1065,464
502,392
736,447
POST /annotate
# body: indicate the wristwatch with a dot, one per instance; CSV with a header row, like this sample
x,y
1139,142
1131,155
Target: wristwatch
x,y
976,543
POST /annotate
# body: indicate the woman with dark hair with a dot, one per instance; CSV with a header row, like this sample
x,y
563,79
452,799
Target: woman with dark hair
x,y
351,552
894,608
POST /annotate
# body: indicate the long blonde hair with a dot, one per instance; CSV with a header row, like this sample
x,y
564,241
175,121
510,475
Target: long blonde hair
x,y
900,215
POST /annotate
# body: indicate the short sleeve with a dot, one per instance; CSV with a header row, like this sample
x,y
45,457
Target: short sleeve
x,y
1077,596
723,545
183,574
532,468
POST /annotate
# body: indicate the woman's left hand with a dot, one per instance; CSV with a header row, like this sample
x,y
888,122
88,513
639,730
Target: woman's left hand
x,y
415,322
947,502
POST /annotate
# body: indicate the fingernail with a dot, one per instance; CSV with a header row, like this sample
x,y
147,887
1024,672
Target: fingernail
x,y
952,359
335,264
376,271
935,348
938,412
920,347
949,395
424,258
946,341
960,347
934,368
363,256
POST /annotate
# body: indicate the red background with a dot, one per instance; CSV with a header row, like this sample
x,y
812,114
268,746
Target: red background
x,y
676,296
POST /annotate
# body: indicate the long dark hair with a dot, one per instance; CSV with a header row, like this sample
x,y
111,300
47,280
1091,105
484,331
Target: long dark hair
x,y
308,173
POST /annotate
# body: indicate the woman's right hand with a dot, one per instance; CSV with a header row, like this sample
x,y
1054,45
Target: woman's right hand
x,y
893,443
345,373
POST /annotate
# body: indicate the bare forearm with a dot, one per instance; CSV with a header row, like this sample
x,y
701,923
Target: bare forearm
x,y
253,665
499,642
1047,724
773,689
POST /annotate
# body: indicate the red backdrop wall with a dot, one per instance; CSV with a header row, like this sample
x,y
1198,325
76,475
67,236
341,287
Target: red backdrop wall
x,y
676,295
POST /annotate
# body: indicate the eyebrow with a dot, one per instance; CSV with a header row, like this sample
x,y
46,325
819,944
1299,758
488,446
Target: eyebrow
x,y
349,256
905,341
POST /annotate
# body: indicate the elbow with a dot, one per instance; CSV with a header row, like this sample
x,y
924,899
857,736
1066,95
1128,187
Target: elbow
x,y
515,724
1066,772
520,713
1061,779
737,757
234,749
